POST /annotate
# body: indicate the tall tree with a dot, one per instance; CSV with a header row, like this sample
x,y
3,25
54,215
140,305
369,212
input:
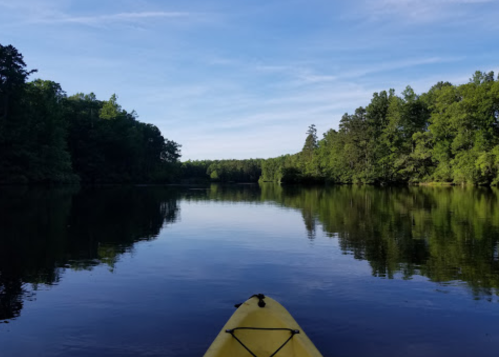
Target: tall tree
x,y
308,157
13,76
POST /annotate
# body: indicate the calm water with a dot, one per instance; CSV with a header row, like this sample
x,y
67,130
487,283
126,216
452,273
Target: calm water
x,y
156,271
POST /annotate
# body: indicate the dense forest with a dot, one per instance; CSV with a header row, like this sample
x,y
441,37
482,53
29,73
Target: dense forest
x,y
222,170
47,136
449,134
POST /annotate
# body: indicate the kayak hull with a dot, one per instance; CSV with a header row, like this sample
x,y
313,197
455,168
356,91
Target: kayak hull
x,y
277,326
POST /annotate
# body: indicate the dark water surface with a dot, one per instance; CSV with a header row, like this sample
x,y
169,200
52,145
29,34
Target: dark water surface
x,y
155,271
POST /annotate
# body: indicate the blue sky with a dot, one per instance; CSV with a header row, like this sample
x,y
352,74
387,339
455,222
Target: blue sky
x,y
245,79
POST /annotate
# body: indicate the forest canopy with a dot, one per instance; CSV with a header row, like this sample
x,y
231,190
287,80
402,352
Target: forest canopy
x,y
47,136
449,134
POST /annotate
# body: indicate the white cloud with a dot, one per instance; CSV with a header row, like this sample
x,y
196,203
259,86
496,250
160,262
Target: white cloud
x,y
213,115
58,12
126,16
316,78
226,89
394,65
419,10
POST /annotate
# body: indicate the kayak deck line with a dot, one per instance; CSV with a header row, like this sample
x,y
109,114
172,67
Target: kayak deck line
x,y
293,332
261,327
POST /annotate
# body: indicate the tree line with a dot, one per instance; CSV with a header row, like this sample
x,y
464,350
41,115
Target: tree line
x,y
448,134
48,136
249,170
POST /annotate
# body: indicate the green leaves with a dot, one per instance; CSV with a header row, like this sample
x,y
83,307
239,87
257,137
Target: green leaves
x,y
449,134
13,76
110,109
47,137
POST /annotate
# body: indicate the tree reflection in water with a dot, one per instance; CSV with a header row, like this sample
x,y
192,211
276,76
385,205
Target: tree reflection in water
x,y
447,234
44,231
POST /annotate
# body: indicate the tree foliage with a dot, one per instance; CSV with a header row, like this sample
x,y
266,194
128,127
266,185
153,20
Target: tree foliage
x,y
222,170
449,134
46,136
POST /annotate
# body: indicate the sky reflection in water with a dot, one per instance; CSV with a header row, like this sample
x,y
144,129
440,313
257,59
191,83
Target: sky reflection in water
x,y
156,271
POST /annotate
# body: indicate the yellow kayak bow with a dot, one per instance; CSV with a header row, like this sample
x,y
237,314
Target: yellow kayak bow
x,y
261,327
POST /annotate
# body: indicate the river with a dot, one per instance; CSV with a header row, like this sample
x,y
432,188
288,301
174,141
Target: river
x,y
155,271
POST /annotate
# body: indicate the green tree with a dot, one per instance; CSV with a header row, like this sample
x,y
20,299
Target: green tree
x,y
110,109
308,156
13,76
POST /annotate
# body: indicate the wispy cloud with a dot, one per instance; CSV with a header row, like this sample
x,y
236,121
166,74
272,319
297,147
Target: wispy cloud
x,y
126,16
27,9
53,12
228,81
419,10
301,74
316,78
393,65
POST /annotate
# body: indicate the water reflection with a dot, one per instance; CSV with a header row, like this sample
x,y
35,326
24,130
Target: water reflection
x,y
44,231
447,234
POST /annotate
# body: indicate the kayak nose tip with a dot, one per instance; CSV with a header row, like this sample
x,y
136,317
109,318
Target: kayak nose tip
x,y
260,297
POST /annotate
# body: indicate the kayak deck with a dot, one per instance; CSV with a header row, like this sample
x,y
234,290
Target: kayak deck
x,y
263,332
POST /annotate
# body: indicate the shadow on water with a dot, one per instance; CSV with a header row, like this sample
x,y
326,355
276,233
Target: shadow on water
x,y
449,235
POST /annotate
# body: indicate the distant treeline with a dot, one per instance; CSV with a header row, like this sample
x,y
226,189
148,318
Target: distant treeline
x,y
449,134
223,170
46,136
